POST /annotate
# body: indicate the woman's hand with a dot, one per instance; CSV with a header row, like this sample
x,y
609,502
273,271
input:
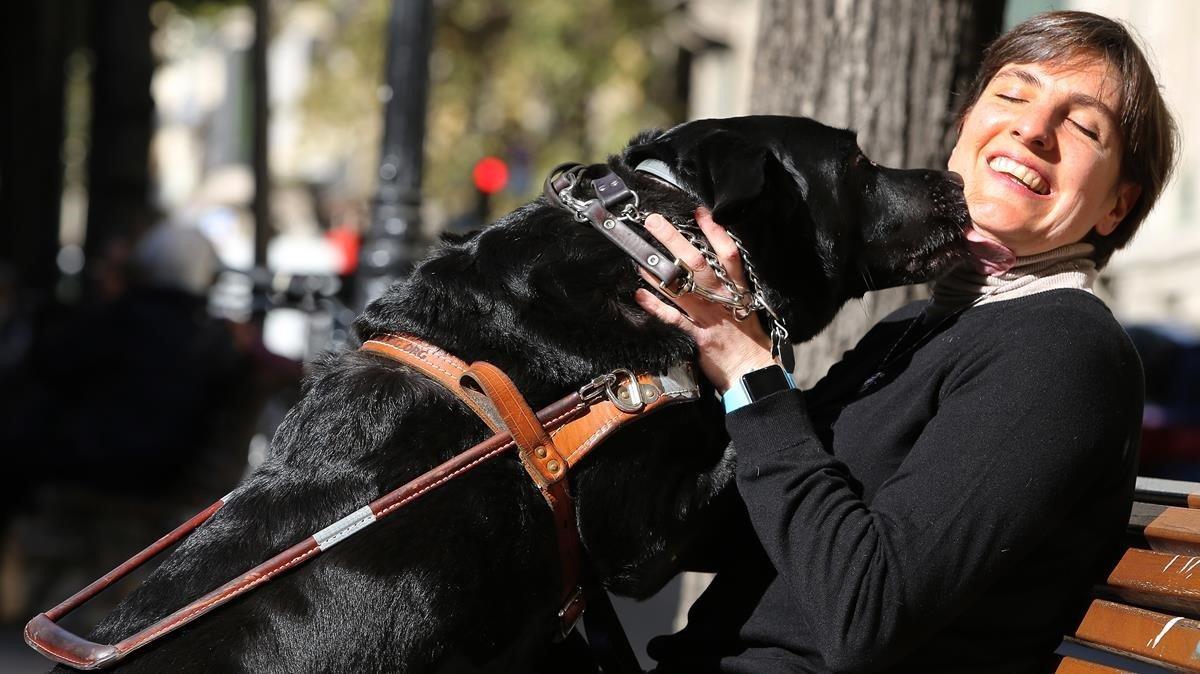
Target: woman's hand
x,y
728,348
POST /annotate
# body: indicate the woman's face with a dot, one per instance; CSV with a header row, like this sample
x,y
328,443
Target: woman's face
x,y
1040,156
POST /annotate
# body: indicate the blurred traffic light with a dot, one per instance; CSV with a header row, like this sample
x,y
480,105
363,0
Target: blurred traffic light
x,y
490,175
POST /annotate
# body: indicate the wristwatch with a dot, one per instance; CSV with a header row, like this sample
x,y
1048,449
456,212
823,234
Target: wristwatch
x,y
757,385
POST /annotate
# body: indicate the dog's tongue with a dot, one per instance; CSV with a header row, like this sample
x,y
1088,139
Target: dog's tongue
x,y
990,257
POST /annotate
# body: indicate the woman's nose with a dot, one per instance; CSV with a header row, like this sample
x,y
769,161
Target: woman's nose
x,y
1034,128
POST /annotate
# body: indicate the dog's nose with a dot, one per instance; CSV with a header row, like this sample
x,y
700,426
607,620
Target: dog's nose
x,y
956,178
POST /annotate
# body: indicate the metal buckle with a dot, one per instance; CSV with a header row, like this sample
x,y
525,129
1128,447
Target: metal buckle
x,y
741,302
627,395
570,613
593,391
682,285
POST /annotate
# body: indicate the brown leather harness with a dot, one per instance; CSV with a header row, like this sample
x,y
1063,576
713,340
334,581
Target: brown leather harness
x,y
549,443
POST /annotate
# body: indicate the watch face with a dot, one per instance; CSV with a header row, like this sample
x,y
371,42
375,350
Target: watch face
x,y
762,383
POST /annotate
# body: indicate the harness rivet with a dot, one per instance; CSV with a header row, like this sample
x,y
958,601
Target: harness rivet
x,y
649,392
540,452
553,466
653,260
610,223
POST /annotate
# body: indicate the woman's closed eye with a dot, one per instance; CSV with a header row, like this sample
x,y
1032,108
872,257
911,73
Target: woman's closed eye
x,y
1085,130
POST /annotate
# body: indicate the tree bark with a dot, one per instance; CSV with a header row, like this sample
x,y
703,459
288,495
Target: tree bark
x,y
887,69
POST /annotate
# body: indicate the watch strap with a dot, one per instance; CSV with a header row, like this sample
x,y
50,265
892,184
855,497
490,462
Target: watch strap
x,y
738,396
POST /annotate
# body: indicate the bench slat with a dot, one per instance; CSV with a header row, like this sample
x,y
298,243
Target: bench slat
x,y
1158,580
1175,530
1168,492
1142,633
1142,514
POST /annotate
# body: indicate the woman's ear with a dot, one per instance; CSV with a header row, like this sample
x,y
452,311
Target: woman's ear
x,y
1127,194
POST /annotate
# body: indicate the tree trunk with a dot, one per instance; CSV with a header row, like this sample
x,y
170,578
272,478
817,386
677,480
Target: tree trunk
x,y
887,69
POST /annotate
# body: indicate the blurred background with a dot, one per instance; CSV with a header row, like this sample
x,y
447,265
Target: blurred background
x,y
196,197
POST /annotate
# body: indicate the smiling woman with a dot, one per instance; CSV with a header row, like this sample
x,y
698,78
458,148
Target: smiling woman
x,y
1040,152
944,499
1071,101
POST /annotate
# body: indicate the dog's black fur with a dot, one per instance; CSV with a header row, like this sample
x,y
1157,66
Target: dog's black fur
x,y
466,578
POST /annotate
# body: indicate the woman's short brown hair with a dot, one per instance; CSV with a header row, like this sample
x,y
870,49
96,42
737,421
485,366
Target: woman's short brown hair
x,y
1148,134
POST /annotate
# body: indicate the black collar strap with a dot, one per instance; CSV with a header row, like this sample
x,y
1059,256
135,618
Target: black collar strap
x,y
673,276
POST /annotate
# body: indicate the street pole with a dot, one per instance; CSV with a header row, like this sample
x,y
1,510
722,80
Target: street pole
x,y
259,157
261,117
393,241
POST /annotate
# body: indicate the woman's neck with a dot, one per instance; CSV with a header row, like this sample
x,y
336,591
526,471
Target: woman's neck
x,y
1067,267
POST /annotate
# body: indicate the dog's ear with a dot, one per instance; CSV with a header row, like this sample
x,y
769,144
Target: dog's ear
x,y
733,172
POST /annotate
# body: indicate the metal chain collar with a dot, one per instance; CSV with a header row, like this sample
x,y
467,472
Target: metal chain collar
x,y
747,301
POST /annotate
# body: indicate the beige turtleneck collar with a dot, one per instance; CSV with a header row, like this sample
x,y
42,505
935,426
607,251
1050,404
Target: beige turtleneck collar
x,y
1067,267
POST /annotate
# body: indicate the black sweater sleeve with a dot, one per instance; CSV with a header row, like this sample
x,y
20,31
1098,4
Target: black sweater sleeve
x,y
1024,428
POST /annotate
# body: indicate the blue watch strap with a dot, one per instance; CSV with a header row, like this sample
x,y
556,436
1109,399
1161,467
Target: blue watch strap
x,y
737,396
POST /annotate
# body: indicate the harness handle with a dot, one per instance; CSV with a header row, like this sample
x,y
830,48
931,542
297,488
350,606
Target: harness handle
x,y
61,645
58,644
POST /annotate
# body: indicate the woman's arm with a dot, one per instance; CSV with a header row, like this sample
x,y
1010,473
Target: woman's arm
x,y
1015,446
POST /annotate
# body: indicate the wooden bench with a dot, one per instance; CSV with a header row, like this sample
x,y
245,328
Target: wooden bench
x,y
1147,617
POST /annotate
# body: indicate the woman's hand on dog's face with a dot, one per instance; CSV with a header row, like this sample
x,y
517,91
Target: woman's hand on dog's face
x,y
728,348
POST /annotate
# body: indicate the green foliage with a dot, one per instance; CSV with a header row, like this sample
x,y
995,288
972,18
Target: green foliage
x,y
549,80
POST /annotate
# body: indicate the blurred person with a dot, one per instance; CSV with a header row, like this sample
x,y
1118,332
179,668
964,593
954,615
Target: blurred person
x,y
133,382
122,405
16,329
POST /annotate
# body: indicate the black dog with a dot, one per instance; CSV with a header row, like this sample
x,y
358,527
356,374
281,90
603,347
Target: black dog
x,y
458,581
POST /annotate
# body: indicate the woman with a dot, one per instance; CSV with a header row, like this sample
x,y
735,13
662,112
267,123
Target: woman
x,y
945,497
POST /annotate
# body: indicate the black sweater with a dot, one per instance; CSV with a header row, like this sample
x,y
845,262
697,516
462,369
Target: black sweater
x,y
948,518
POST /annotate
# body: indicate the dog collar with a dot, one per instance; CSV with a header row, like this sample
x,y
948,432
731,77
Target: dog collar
x,y
674,277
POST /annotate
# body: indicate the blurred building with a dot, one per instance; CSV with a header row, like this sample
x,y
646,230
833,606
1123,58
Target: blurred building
x,y
723,35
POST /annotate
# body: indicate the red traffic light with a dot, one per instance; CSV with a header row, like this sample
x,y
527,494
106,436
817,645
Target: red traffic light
x,y
490,175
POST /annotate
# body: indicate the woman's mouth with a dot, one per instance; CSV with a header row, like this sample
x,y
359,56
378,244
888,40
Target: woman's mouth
x,y
1020,173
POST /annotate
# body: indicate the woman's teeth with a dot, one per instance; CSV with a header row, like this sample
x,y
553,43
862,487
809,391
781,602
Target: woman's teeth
x,y
1027,176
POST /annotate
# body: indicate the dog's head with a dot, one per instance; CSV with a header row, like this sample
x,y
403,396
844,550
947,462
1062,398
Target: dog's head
x,y
822,223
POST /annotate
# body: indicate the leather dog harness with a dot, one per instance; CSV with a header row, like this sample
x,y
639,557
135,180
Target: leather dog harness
x,y
549,444
548,456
